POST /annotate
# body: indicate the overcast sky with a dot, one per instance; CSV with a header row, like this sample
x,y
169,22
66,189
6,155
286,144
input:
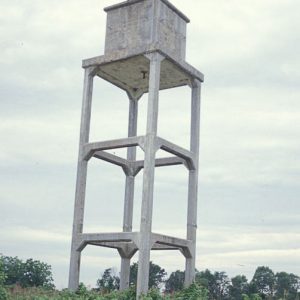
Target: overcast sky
x,y
249,207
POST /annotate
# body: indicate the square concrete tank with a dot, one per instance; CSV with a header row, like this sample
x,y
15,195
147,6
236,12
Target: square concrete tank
x,y
137,26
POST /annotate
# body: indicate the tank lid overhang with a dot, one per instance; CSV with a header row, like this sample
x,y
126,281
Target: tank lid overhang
x,y
131,2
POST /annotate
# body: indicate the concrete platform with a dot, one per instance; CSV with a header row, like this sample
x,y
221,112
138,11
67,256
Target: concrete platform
x,y
131,73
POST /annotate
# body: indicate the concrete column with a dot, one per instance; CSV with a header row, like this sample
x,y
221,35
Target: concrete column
x,y
148,177
129,191
193,182
81,179
125,273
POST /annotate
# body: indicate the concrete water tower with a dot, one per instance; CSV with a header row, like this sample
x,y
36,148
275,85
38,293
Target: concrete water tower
x,y
144,53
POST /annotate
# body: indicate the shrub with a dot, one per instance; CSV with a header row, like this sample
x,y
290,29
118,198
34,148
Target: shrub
x,y
193,292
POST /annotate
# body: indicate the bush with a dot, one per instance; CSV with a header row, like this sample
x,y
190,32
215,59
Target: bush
x,y
193,292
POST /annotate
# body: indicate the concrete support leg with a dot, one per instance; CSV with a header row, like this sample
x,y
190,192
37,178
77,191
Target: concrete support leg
x,y
129,191
81,179
193,182
125,273
148,177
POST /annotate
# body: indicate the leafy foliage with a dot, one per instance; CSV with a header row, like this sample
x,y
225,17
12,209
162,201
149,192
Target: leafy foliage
x,y
32,280
263,282
216,283
251,297
13,269
37,273
193,292
287,286
3,293
108,282
156,275
239,287
27,274
175,282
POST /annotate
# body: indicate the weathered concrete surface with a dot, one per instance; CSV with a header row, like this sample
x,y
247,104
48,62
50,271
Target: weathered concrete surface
x,y
148,176
129,192
136,26
193,182
131,73
81,177
144,53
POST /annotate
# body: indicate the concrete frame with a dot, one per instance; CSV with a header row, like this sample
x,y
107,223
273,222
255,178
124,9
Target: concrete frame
x,y
127,242
148,68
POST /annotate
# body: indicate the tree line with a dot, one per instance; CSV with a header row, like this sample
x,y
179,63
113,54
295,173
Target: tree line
x,y
265,284
208,285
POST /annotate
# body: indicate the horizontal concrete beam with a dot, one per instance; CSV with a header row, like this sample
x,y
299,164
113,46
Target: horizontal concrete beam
x,y
105,238
113,245
111,158
131,245
134,167
187,155
125,249
127,243
163,247
159,162
182,244
108,237
90,148
170,240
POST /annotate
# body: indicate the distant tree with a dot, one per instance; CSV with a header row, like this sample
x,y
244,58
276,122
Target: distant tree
x,y
31,273
156,275
239,286
175,282
216,283
13,268
222,283
37,273
263,282
287,286
3,293
207,280
108,282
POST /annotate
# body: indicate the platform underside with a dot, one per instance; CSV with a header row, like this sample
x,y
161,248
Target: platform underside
x,y
132,73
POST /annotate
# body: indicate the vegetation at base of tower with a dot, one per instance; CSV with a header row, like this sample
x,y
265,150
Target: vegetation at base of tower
x,y
157,275
194,292
32,280
175,282
110,282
